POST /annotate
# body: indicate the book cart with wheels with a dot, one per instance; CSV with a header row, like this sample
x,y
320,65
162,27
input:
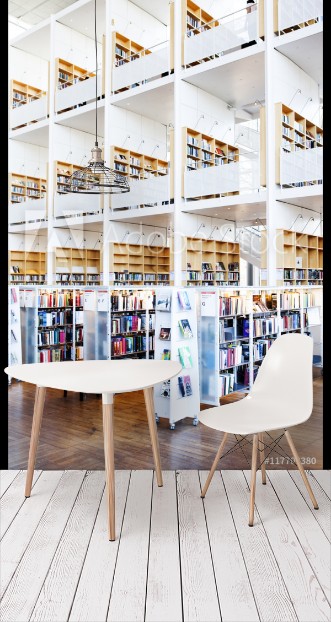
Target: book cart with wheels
x,y
176,339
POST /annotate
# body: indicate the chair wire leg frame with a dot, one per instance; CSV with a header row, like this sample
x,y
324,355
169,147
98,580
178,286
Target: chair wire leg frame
x,y
259,445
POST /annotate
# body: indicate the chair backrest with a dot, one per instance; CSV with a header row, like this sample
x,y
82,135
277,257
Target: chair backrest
x,y
285,376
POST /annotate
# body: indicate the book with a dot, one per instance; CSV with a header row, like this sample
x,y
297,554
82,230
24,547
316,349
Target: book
x,y
165,333
185,356
220,265
166,355
184,386
165,390
183,300
185,328
164,303
206,266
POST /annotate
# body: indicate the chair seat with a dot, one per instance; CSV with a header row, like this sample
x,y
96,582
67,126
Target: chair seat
x,y
252,415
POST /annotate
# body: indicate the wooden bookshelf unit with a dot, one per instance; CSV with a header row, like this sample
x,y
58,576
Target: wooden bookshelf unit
x,y
63,170
194,21
136,165
67,74
299,257
27,267
22,94
77,266
23,187
293,132
136,264
211,262
203,151
124,51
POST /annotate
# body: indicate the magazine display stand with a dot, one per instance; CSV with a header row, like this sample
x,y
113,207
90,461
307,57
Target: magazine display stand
x,y
176,339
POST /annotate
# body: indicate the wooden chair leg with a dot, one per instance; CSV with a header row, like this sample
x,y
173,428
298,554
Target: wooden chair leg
x,y
301,469
262,456
35,431
213,468
253,480
108,437
149,402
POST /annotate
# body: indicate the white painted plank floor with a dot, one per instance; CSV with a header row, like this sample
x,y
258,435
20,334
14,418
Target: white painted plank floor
x,y
177,558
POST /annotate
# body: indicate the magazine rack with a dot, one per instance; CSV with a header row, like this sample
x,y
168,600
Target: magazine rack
x,y
176,338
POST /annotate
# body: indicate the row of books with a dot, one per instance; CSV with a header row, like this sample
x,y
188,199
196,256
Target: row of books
x,y
264,326
132,323
126,301
232,305
290,321
230,356
58,299
78,352
225,383
260,348
129,345
53,355
54,337
55,318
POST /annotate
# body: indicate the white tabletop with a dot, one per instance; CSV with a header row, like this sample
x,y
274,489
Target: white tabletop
x,y
96,376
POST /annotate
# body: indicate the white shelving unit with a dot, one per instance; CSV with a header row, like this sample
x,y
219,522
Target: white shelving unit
x,y
14,332
179,397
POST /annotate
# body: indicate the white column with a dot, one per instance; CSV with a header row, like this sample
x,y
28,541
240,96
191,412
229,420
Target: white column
x,y
270,143
107,133
50,254
177,150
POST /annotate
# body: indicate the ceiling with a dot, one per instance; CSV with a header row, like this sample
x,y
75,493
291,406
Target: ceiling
x,y
240,211
238,82
34,11
36,136
155,103
84,121
306,52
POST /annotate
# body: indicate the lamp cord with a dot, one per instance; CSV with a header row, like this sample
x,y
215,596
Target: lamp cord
x,y
96,73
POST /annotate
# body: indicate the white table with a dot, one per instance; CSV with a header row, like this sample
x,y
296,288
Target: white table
x,y
107,378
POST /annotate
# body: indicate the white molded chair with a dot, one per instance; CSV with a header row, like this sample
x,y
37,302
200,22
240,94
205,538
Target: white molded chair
x,y
281,396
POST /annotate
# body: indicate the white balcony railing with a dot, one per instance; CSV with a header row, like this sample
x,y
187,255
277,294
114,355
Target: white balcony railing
x,y
75,204
141,67
304,165
78,93
31,111
242,176
143,193
232,32
28,211
295,12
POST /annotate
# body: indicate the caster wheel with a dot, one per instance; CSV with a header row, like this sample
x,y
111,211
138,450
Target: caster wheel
x,y
195,421
157,419
172,426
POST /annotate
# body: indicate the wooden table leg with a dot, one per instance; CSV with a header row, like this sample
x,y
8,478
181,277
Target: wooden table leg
x,y
253,481
301,469
149,401
108,437
35,431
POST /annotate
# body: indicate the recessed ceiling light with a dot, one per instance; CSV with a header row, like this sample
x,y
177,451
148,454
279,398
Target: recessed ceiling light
x,y
229,207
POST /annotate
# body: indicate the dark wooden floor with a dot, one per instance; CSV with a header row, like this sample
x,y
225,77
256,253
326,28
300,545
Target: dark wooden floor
x,y
71,434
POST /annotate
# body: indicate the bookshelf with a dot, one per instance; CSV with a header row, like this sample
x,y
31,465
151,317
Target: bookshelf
x,y
176,339
203,151
136,264
77,266
137,165
194,21
60,332
27,267
299,258
21,94
67,74
63,170
132,324
23,187
211,262
293,132
124,51
14,325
